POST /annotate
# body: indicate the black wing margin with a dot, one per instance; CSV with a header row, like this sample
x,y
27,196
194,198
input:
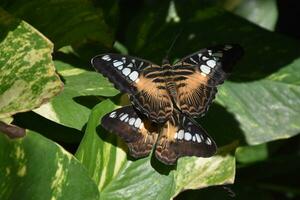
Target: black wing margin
x,y
139,133
181,136
123,71
200,73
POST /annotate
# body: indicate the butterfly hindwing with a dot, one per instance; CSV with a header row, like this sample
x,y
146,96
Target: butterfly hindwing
x,y
179,137
199,74
135,77
138,132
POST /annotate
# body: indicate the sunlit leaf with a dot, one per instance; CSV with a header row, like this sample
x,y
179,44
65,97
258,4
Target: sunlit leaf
x,y
70,108
28,76
36,168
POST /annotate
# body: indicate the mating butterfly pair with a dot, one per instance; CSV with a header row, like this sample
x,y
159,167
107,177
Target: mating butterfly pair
x,y
165,100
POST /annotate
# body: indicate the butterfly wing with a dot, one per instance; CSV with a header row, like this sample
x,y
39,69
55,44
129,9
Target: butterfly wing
x,y
135,77
139,133
179,137
198,75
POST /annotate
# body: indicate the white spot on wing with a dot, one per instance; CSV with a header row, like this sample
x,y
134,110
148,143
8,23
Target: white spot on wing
x,y
130,65
194,138
138,122
126,71
141,64
106,57
205,69
208,141
211,63
123,117
131,121
202,138
120,67
180,134
204,58
198,138
134,75
126,120
193,60
117,63
199,55
113,114
187,136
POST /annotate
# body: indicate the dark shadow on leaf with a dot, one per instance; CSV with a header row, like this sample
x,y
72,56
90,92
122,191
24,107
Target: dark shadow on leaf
x,y
222,126
91,101
161,167
88,101
89,49
66,136
288,11
110,138
7,23
203,26
73,60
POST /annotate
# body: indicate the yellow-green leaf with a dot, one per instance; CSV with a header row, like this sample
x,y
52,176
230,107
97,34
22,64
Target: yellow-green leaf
x,y
27,73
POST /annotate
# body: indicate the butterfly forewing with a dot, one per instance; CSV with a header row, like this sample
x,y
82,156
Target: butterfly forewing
x,y
122,71
135,77
179,137
198,75
138,132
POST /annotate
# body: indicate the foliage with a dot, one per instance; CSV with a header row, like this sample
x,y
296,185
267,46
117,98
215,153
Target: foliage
x,y
66,154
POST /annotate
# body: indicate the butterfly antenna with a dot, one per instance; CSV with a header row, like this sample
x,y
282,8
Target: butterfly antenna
x,y
172,44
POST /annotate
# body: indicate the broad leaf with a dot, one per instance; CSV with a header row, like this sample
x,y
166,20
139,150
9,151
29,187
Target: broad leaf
x,y
28,76
36,168
120,177
255,11
250,154
64,22
70,108
267,109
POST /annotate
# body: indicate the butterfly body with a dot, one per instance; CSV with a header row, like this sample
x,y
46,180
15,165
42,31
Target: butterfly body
x,y
165,99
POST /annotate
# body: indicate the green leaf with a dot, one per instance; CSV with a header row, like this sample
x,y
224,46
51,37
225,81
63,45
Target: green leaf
x,y
120,177
28,76
268,109
250,154
64,22
255,11
67,109
36,168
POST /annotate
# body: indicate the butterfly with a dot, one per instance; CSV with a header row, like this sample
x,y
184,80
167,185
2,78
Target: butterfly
x,y
178,137
167,94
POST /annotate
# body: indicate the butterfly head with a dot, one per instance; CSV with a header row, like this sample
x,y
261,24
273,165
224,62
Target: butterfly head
x,y
166,62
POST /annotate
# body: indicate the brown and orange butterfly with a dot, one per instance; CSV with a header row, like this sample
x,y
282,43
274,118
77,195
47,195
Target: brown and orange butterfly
x,y
165,100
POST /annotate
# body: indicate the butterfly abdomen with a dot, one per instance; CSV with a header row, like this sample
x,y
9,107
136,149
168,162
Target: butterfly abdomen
x,y
172,89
